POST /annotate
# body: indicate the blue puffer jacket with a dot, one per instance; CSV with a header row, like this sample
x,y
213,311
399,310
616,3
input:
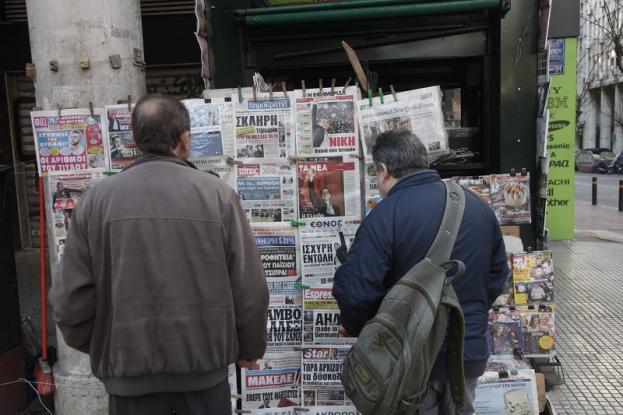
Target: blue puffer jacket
x,y
397,234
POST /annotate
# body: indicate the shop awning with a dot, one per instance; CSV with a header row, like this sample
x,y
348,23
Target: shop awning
x,y
363,10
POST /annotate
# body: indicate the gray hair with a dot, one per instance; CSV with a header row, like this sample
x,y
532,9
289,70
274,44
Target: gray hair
x,y
401,151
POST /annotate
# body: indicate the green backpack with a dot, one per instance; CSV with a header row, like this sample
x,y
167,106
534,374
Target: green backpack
x,y
387,369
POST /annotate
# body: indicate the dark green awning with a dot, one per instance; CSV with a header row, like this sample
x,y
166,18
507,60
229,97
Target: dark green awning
x,y
363,10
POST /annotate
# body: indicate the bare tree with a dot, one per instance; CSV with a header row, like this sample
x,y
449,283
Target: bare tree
x,y
611,27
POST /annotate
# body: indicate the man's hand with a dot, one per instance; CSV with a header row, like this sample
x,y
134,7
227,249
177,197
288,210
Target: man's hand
x,y
341,331
247,364
311,174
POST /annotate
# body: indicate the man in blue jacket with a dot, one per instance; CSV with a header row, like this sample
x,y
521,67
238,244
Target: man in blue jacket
x,y
397,234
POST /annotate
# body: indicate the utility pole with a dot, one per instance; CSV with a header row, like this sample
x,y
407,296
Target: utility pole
x,y
83,51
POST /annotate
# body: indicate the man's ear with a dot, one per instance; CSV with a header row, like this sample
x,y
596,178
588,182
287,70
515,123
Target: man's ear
x,y
381,170
186,140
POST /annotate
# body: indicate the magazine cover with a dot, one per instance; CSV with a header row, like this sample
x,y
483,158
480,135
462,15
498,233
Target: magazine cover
x,y
72,142
329,187
267,190
510,198
480,185
279,250
321,318
285,323
321,375
263,127
502,330
324,244
325,122
538,330
533,277
122,150
64,191
274,382
516,395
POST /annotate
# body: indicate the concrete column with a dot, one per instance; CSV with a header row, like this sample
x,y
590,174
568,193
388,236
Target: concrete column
x,y
617,145
589,116
605,119
67,31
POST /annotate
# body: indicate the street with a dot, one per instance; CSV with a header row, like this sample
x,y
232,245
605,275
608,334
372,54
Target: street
x,y
607,188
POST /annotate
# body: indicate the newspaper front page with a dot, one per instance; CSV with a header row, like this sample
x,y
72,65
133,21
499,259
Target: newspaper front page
x,y
72,142
122,150
324,243
64,191
321,318
325,122
321,375
417,110
285,322
279,251
267,190
274,382
264,128
515,395
329,187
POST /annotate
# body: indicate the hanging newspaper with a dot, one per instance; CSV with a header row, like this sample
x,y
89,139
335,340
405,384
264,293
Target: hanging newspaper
x,y
417,110
510,198
321,318
278,247
64,191
538,330
325,122
210,130
122,150
329,187
264,127
284,320
274,382
324,243
267,191
515,395
321,375
72,142
372,194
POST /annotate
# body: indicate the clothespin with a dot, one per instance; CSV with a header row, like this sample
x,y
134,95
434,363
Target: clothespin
x,y
391,88
91,109
254,92
295,158
270,91
60,108
350,78
513,173
129,103
320,85
239,94
207,100
109,173
303,86
297,223
236,396
370,97
300,286
284,89
381,96
233,162
524,172
356,156
333,86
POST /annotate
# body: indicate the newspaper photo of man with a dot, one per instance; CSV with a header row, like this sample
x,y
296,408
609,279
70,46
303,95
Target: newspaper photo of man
x,y
320,131
323,204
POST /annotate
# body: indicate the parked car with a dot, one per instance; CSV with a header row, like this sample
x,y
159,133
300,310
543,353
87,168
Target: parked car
x,y
593,160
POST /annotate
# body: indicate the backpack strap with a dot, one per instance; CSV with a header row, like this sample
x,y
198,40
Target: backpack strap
x,y
439,252
456,332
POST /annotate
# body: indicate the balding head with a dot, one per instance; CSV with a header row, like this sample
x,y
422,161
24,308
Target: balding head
x,y
158,122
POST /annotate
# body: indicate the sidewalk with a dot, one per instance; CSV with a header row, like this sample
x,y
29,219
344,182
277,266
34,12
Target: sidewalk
x,y
588,322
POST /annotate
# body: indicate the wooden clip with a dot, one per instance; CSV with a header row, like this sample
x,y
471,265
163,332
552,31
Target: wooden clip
x,y
333,86
239,94
60,108
391,88
233,162
284,89
320,85
356,156
91,109
513,173
350,78
381,96
270,91
254,92
296,158
303,86
129,103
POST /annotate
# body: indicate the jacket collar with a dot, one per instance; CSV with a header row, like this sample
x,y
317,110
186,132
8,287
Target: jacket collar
x,y
414,179
147,157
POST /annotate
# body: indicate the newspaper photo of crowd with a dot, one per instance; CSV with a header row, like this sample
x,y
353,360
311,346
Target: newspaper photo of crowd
x,y
251,151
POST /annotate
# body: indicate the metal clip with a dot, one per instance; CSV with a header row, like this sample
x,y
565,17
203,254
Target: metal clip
x,y
239,94
391,88
320,85
283,88
333,86
350,78
91,109
303,86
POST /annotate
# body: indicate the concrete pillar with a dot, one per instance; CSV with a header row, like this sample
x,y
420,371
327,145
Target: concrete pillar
x,y
617,145
605,119
589,115
67,31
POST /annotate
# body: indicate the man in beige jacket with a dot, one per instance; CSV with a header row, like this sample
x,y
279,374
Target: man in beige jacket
x,y
161,282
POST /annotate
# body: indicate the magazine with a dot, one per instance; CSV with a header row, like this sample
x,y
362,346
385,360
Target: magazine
x,y
417,110
533,277
72,141
538,330
480,185
273,382
321,375
515,394
329,187
510,198
122,150
267,190
325,122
